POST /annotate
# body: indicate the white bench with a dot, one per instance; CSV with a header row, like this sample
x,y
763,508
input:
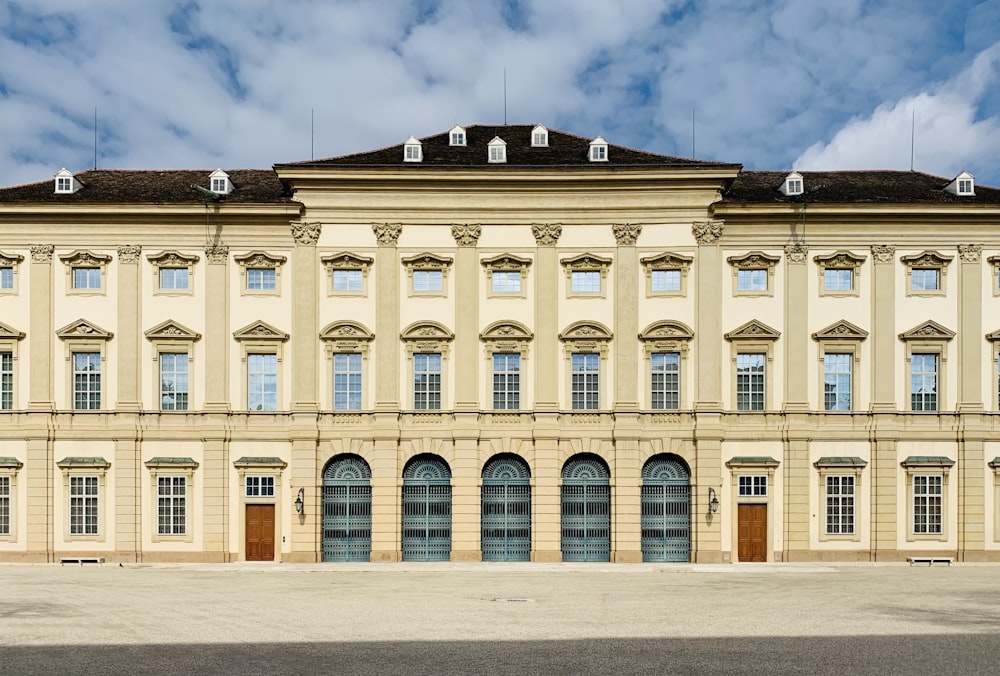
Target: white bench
x,y
63,560
929,560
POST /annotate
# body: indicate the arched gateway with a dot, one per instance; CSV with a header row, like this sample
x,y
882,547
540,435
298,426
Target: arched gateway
x,y
506,509
347,509
666,509
586,509
426,509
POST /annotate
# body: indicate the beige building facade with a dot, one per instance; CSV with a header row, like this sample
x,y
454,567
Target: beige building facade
x,y
499,343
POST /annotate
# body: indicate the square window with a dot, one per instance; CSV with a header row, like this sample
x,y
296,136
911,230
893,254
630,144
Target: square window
x,y
750,384
506,381
173,279
925,279
585,281
585,381
427,381
428,281
752,485
838,279
6,277
964,186
923,382
262,382
598,153
348,280
498,154
795,186
837,381
86,278
927,502
506,281
83,505
839,504
86,381
219,185
262,279
754,279
665,378
173,381
412,153
539,138
665,281
260,486
171,505
64,184
347,381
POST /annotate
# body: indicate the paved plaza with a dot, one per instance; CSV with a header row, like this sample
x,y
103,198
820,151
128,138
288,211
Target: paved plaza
x,y
500,619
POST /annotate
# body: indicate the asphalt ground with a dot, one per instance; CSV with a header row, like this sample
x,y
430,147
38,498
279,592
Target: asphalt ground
x,y
499,619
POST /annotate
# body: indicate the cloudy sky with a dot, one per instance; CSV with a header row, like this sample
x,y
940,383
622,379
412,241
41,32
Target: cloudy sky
x,y
774,84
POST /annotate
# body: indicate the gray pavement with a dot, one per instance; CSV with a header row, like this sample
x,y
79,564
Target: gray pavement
x,y
500,618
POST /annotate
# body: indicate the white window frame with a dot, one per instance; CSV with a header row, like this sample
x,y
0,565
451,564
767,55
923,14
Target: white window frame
x,y
925,262
346,337
665,392
457,136
346,261
86,260
259,260
11,262
598,150
428,337
539,137
506,337
8,498
423,263
842,468
219,183
662,337
413,150
586,337
85,468
752,485
505,264
753,261
586,263
496,151
260,486
172,260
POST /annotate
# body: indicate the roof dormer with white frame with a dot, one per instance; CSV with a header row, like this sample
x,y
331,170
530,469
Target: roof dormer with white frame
x,y
539,137
413,150
219,183
792,185
599,150
963,185
496,151
66,183
456,136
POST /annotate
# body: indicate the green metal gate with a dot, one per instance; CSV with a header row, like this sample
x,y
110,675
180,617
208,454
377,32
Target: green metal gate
x,y
347,510
426,510
586,509
666,510
506,509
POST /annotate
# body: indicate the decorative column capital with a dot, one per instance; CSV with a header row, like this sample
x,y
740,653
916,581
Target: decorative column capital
x,y
387,234
546,234
305,234
217,253
626,233
129,253
970,253
42,253
466,234
796,253
707,232
883,253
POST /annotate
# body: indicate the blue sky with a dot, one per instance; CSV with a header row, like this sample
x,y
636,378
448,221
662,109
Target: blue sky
x,y
775,84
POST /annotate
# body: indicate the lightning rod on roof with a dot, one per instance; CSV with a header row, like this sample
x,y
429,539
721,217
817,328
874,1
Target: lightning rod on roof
x,y
913,125
95,137
312,133
693,155
505,97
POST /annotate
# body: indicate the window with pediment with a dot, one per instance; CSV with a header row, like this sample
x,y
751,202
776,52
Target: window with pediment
x,y
839,273
261,353
427,274
427,347
752,351
753,273
926,273
926,359
260,273
666,345
348,273
86,355
9,272
586,275
666,274
173,273
347,344
86,272
506,345
506,276
839,362
586,345
173,357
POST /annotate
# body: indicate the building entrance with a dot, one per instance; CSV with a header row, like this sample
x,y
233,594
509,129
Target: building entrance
x,y
347,510
260,533
752,525
506,510
426,510
666,510
586,510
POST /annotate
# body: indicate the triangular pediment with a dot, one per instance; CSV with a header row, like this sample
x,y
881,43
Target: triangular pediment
x,y
9,332
586,330
667,330
260,330
753,330
346,330
171,330
81,328
426,331
842,329
586,261
506,330
929,330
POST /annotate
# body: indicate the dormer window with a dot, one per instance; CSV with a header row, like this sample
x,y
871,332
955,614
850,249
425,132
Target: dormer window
x,y
497,150
219,183
539,137
962,185
456,137
598,150
66,183
413,151
793,185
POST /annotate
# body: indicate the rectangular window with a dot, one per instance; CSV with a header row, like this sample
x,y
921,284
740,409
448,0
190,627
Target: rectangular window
x,y
923,382
752,485
837,381
925,279
86,278
498,154
173,279
83,505
260,486
751,280
348,280
86,381
838,279
750,381
506,381
262,382
6,381
171,507
262,279
839,505
586,281
4,505
427,381
665,280
347,381
927,492
666,371
427,281
585,380
6,277
173,381
64,185
506,282
457,138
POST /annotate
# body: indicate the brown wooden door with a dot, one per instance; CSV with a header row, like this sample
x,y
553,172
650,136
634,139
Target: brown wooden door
x,y
260,533
753,533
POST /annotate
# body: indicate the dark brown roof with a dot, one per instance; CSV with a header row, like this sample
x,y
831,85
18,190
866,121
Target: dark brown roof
x,y
854,187
250,186
564,150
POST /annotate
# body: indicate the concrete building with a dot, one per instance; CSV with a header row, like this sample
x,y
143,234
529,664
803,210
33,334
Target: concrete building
x,y
499,343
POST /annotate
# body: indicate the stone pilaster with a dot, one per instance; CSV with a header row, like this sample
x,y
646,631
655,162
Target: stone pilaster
x,y
40,329
305,322
306,533
216,487
708,313
883,328
127,504
884,471
626,343
129,329
970,332
386,376
466,480
796,335
467,363
973,480
546,512
797,480
39,477
546,342
217,336
626,510
387,492
706,528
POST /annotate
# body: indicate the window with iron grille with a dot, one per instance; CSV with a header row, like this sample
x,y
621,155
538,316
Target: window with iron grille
x,y
923,382
86,381
173,381
347,381
665,379
171,506
427,381
506,381
585,380
837,381
752,485
750,384
262,382
4,505
927,493
839,504
260,486
83,505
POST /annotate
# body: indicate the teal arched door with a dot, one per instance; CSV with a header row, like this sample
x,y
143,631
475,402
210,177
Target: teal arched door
x,y
506,509
347,510
666,510
586,509
426,509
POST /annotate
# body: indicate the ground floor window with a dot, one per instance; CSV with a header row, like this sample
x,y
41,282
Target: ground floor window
x,y
83,505
839,504
927,493
171,505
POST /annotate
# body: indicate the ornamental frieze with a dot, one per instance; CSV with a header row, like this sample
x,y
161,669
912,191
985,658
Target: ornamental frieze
x,y
41,253
129,253
883,253
796,253
217,253
970,253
